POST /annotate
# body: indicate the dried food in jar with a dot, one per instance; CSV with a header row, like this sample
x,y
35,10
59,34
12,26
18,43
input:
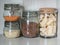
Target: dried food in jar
x,y
11,18
30,30
11,33
48,25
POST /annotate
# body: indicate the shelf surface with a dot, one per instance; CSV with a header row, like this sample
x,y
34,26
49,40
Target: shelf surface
x,y
29,41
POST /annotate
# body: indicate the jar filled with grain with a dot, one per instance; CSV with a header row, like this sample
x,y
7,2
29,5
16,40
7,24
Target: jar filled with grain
x,y
48,22
11,29
12,12
30,24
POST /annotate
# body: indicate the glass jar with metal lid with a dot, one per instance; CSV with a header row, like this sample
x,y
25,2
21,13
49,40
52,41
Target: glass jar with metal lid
x,y
12,12
48,22
30,24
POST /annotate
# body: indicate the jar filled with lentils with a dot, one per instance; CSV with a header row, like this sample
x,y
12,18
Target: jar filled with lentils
x,y
30,24
48,22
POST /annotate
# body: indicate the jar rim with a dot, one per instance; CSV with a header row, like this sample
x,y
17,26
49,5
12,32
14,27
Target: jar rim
x,y
10,6
47,10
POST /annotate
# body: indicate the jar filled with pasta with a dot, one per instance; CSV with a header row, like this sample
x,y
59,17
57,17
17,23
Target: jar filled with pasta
x,y
48,22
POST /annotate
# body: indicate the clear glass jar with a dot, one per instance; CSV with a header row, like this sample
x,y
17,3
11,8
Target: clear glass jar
x,y
12,12
11,29
48,22
30,24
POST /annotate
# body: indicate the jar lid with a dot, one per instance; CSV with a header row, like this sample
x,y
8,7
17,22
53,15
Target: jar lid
x,y
30,13
12,6
48,10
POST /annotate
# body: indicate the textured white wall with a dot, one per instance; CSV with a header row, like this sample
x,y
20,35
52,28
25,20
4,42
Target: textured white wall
x,y
28,4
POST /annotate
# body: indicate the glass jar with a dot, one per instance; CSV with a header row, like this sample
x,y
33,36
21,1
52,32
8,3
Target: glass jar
x,y
12,12
11,29
48,22
30,24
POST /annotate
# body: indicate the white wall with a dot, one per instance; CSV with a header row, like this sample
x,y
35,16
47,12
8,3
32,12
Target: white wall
x,y
58,6
36,4
28,4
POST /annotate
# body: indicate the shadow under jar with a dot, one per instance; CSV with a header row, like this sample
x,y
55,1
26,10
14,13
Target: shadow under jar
x,y
48,22
30,24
